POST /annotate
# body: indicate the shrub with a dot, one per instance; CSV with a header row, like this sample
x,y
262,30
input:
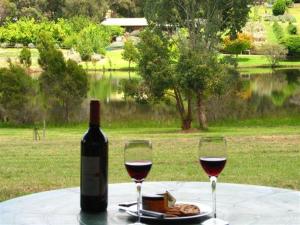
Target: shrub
x,y
292,29
136,89
237,46
279,7
274,53
278,31
292,43
92,39
25,57
289,3
17,93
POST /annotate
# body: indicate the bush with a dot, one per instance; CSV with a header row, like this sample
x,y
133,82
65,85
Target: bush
x,y
237,46
92,39
278,31
25,57
289,3
292,43
136,89
274,53
279,7
292,29
17,94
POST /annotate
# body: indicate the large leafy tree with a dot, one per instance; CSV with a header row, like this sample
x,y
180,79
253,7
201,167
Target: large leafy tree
x,y
157,66
63,83
204,21
94,9
16,94
128,8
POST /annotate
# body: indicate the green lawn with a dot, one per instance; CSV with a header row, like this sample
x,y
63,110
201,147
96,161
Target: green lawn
x,y
262,155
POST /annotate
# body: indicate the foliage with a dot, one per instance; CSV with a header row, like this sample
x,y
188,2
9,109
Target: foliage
x,y
154,63
292,43
278,31
25,57
279,7
94,9
292,29
92,39
80,33
63,84
274,53
128,8
135,89
238,45
130,52
7,9
289,3
27,30
16,94
205,23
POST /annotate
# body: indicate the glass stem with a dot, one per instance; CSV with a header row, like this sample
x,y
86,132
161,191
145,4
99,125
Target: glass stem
x,y
138,188
213,181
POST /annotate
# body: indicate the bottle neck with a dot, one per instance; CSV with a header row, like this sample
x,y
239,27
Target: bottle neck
x,y
93,125
94,114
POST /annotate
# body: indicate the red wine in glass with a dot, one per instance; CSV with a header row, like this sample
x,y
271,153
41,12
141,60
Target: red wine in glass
x,y
212,158
138,170
138,163
213,166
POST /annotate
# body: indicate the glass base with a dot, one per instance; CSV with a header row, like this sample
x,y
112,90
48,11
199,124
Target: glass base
x,y
136,223
215,221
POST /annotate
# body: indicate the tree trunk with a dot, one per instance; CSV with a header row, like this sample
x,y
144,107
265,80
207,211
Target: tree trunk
x,y
201,112
186,118
67,112
129,70
186,124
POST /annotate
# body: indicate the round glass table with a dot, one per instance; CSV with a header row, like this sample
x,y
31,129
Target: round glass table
x,y
236,203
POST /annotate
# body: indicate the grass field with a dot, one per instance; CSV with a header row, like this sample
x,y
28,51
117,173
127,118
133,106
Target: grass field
x,y
262,155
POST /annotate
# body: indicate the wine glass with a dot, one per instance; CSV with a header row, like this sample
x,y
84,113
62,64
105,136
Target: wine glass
x,y
138,162
212,157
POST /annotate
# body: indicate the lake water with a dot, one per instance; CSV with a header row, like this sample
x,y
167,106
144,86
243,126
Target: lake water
x,y
279,86
268,94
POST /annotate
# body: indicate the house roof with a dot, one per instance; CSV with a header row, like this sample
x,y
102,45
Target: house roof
x,y
125,22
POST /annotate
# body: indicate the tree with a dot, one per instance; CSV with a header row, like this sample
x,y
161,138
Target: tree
x,y
274,53
238,45
16,94
157,67
130,53
63,83
54,8
205,21
128,8
93,9
92,39
7,9
25,57
279,7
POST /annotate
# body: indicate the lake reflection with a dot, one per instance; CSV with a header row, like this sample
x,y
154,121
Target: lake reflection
x,y
279,86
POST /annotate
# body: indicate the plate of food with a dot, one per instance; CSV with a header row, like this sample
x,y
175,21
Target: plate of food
x,y
165,208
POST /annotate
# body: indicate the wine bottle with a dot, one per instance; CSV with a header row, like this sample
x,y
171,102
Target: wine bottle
x,y
94,165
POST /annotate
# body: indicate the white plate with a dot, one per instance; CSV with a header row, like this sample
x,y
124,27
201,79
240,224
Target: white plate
x,y
204,211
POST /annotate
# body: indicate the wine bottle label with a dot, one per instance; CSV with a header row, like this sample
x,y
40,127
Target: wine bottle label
x,y
91,173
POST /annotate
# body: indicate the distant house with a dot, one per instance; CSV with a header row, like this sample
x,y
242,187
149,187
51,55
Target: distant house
x,y
129,24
